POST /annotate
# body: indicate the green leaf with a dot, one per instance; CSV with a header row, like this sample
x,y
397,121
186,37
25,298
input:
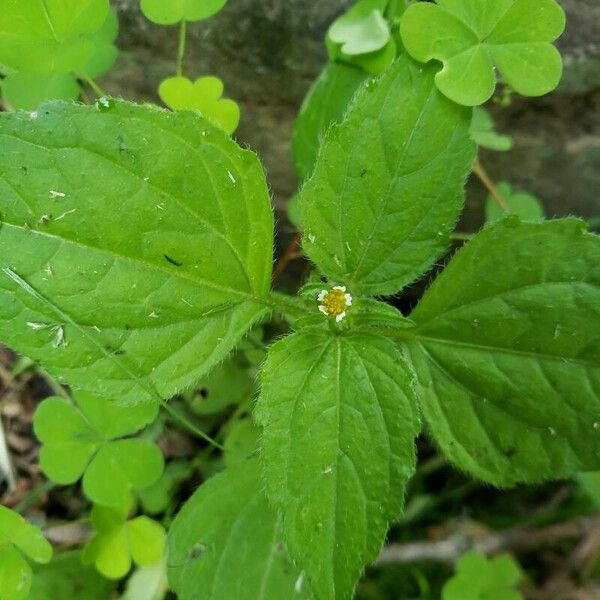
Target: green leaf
x,y
27,91
49,36
159,496
225,529
590,484
115,547
507,352
388,185
361,30
147,583
120,467
478,578
169,12
227,384
15,530
15,575
470,39
18,536
65,578
337,449
144,310
484,134
525,206
205,95
105,52
325,104
241,441
77,440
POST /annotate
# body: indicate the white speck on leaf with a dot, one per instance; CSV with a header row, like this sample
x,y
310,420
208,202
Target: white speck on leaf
x,y
153,315
33,115
311,238
233,180
54,194
552,430
36,326
299,583
68,212
59,337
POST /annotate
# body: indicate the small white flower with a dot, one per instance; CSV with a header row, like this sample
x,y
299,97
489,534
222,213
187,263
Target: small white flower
x,y
334,302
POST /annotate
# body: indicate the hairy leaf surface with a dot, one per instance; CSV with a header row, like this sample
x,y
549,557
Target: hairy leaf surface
x,y
388,184
226,542
339,422
507,353
135,245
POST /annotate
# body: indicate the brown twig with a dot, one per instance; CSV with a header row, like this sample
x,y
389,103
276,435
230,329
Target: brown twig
x,y
290,253
485,179
509,540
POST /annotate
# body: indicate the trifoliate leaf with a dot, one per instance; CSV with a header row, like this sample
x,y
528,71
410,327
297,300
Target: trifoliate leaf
x,y
507,353
484,134
80,439
478,578
169,12
387,188
471,39
337,449
113,549
227,542
525,206
18,537
325,104
140,311
205,95
105,52
49,36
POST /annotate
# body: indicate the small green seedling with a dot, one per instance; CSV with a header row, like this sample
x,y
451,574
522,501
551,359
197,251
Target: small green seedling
x,y
87,439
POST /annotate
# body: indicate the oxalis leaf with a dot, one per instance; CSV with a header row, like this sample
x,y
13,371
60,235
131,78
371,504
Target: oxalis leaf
x,y
119,542
227,542
507,353
339,420
204,94
135,245
387,187
50,36
83,440
471,38
169,12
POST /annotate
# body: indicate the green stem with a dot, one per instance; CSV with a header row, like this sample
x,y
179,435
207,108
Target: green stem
x,y
97,89
181,47
33,495
189,425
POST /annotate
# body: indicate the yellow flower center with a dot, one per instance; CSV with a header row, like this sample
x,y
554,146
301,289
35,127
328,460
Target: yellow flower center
x,y
335,302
